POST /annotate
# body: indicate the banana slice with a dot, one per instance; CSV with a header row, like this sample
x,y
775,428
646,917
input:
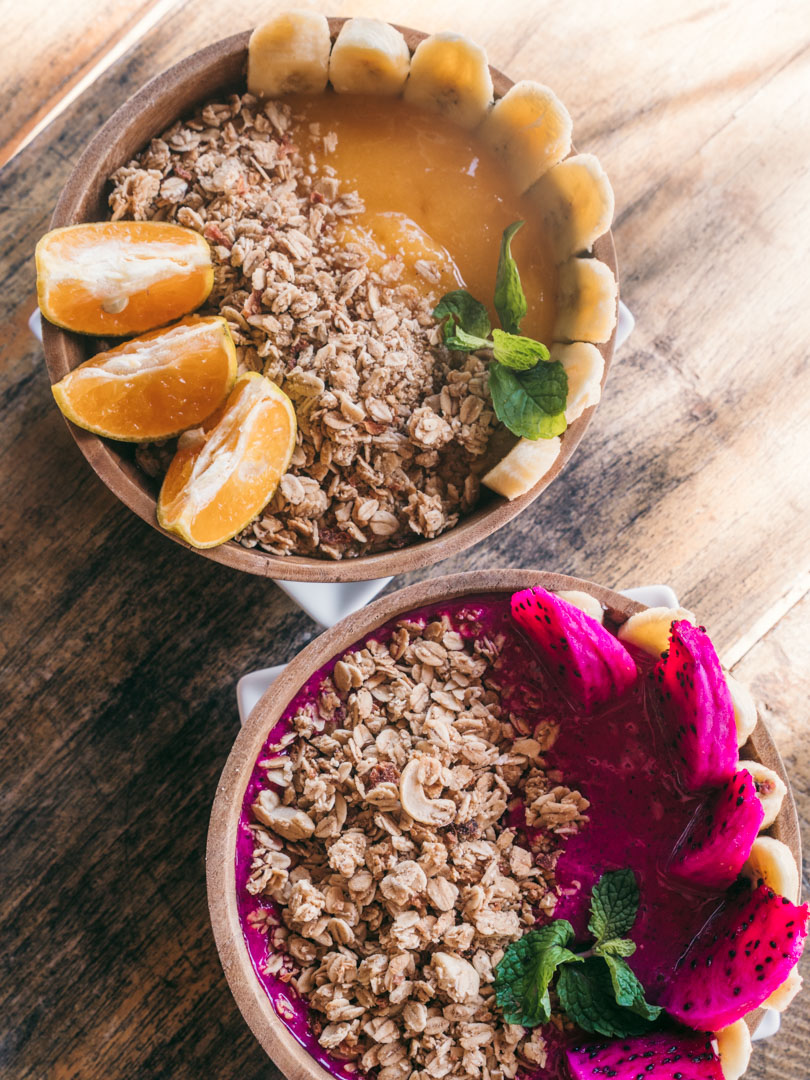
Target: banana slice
x,y
450,75
771,790
369,57
745,711
586,301
530,129
784,994
584,365
585,602
526,463
734,1049
576,204
648,630
771,861
289,54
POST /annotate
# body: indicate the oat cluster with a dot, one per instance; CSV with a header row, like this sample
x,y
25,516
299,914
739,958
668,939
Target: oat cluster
x,y
392,426
382,837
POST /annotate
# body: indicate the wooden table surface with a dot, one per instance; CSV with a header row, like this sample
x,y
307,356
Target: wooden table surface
x,y
119,651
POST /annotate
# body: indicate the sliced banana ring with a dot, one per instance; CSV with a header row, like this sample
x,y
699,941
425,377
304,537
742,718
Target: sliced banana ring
x,y
450,75
530,129
649,630
587,301
289,54
526,463
585,366
369,57
745,710
576,203
771,790
734,1049
784,994
771,862
585,602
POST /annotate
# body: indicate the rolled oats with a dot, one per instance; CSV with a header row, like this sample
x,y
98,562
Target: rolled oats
x,y
393,925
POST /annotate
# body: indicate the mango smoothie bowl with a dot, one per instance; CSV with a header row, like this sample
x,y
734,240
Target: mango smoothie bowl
x,y
507,824
331,300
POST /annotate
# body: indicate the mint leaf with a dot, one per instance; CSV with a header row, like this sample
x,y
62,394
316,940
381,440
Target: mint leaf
x,y
524,972
627,990
614,904
615,947
510,301
530,403
586,995
456,338
465,311
520,353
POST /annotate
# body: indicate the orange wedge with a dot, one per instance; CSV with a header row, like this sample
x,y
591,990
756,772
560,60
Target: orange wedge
x,y
153,386
121,277
224,473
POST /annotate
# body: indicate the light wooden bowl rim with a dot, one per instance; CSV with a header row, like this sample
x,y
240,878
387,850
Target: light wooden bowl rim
x,y
294,1061
164,99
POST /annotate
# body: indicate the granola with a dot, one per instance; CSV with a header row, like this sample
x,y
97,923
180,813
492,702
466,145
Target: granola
x,y
393,427
381,840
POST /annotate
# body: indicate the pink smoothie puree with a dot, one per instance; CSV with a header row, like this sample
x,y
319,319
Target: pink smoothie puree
x,y
613,756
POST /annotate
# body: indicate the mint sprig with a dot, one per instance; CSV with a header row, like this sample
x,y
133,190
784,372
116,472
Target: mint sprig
x,y
523,976
596,987
586,997
530,403
614,904
510,300
467,312
529,391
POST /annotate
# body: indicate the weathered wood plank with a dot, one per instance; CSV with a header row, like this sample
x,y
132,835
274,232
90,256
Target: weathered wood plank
x,y
74,43
121,651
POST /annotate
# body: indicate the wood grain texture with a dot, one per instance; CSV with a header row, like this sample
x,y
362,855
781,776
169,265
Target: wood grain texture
x,y
119,651
72,41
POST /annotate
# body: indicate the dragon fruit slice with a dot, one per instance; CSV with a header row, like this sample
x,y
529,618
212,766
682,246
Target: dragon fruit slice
x,y
741,955
661,1056
718,840
591,663
696,708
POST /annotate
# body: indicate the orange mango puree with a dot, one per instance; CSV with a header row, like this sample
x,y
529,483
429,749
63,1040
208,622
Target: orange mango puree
x,y
432,191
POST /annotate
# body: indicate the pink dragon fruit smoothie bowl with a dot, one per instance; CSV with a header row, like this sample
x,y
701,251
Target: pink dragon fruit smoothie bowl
x,y
507,823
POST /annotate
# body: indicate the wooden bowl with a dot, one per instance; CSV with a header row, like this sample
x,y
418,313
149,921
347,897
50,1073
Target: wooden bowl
x,y
212,71
294,1061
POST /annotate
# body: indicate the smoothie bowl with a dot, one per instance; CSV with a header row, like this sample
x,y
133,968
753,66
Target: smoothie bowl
x,y
507,824
368,290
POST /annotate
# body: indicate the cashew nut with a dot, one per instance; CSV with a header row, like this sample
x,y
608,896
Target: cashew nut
x,y
455,976
416,804
287,821
268,800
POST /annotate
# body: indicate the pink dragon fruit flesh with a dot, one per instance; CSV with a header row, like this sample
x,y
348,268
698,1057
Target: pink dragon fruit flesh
x,y
740,956
592,665
718,840
695,708
659,1056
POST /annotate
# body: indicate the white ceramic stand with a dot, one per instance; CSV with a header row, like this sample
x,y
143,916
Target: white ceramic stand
x,y
327,603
